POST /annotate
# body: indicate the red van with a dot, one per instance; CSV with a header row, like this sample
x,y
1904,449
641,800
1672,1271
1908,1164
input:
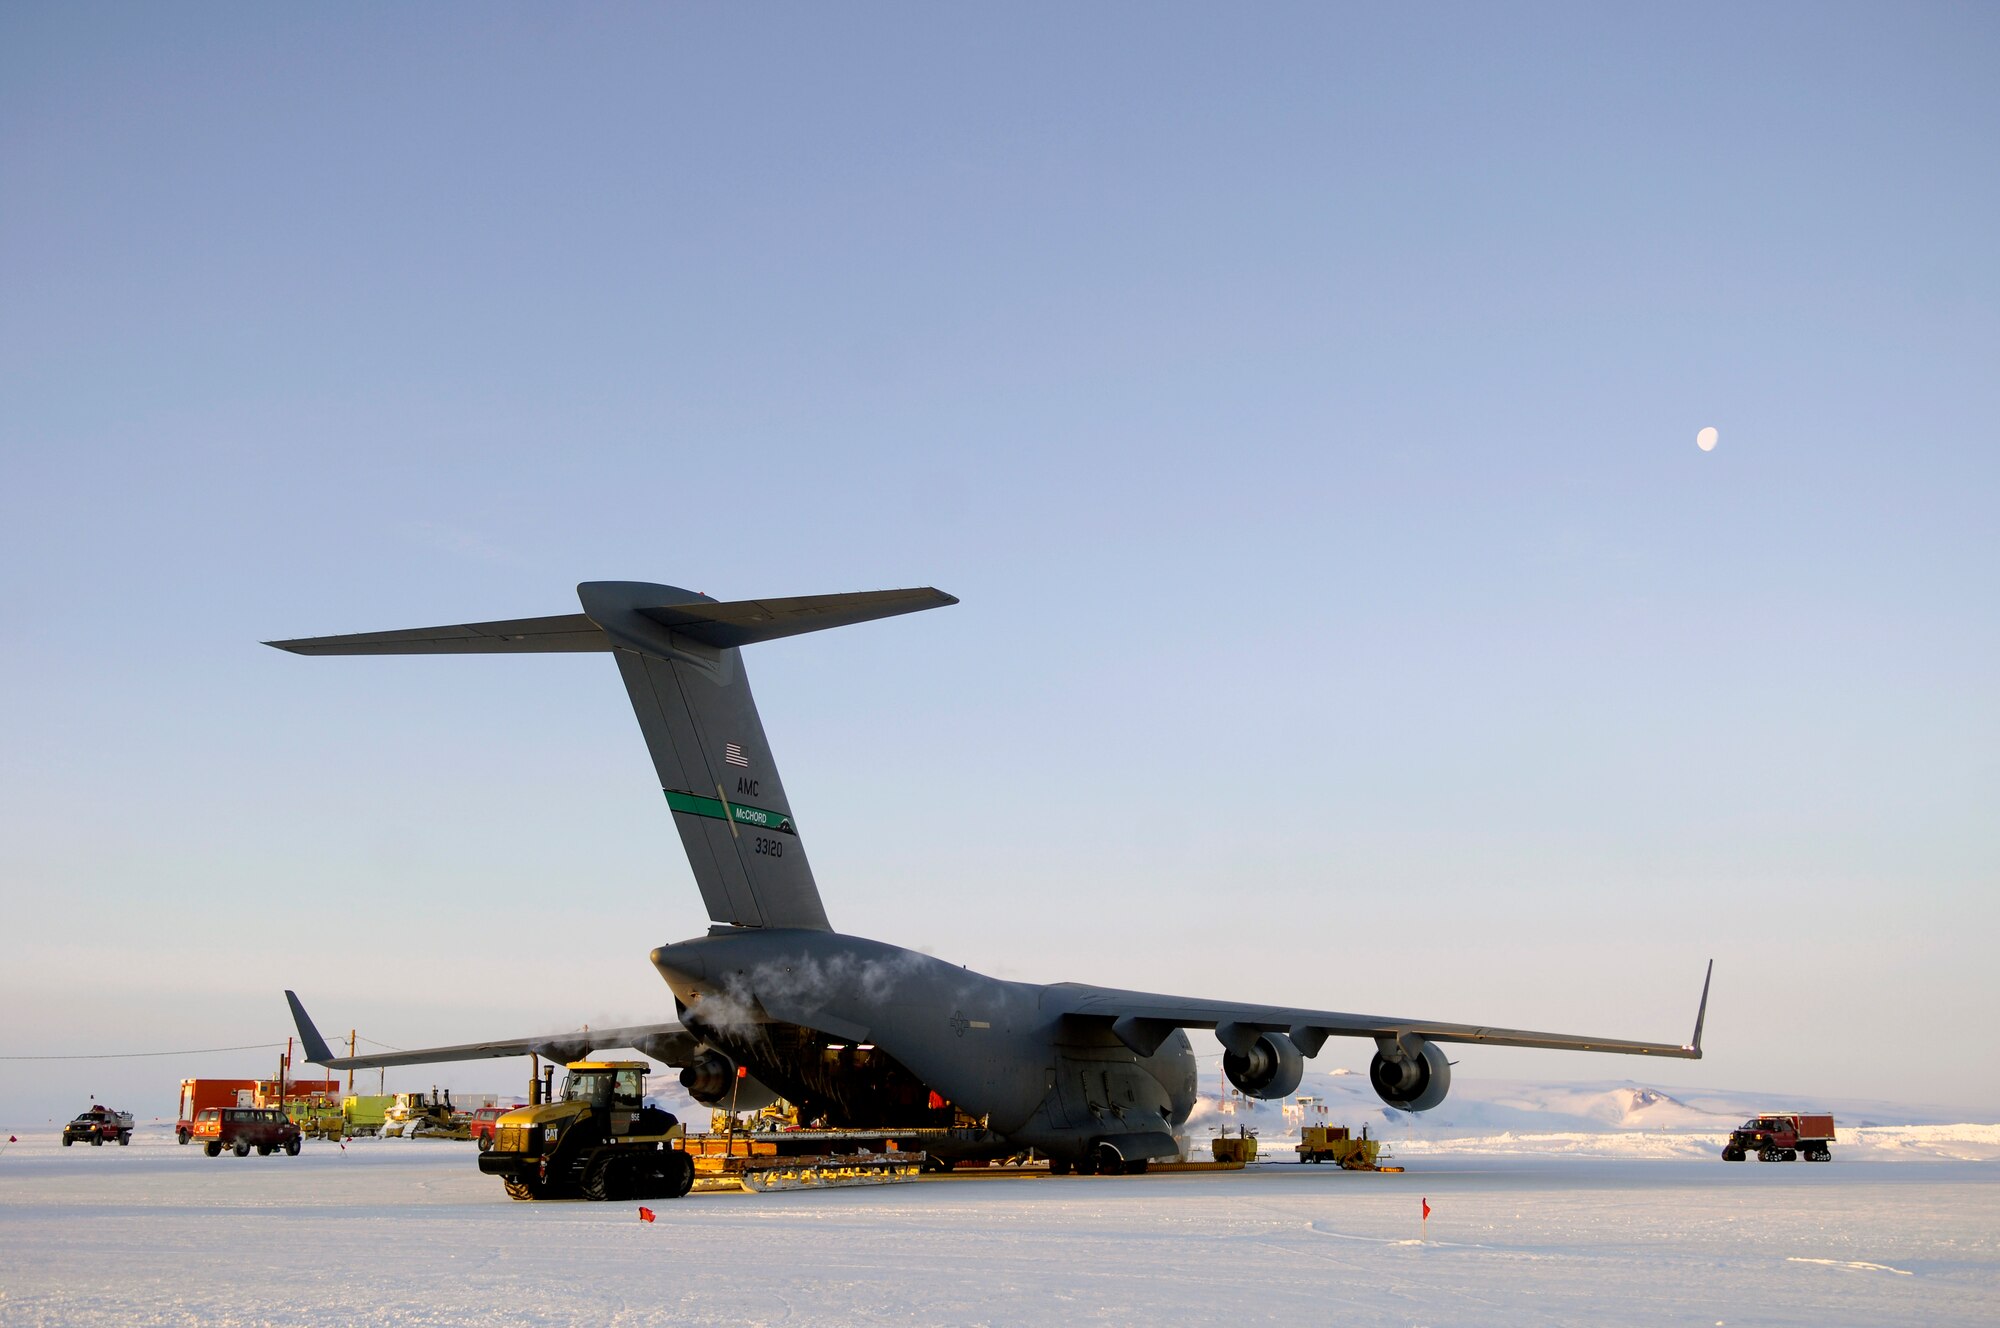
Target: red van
x,y
241,1129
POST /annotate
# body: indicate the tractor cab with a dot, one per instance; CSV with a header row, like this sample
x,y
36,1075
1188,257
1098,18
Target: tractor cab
x,y
617,1089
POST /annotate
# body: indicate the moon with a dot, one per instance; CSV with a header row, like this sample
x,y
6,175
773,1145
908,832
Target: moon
x,y
1705,440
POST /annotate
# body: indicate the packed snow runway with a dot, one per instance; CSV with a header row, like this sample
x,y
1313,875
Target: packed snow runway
x,y
409,1233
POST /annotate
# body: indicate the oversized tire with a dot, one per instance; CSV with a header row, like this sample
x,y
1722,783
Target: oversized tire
x,y
292,1148
680,1174
521,1189
610,1177
242,1150
213,1148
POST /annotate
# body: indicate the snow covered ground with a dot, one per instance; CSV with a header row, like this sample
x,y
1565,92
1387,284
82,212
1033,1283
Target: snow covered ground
x,y
1577,1227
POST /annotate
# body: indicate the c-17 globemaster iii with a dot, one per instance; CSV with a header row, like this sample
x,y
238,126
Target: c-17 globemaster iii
x,y
859,1033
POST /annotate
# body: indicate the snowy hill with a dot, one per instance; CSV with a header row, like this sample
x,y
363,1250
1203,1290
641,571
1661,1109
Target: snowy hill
x,y
1483,1108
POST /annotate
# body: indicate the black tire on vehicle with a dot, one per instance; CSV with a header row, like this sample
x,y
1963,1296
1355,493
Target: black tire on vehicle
x,y
97,1141
124,1138
485,1143
67,1141
608,1177
521,1189
291,1148
1791,1155
182,1135
263,1150
243,1150
680,1174
213,1148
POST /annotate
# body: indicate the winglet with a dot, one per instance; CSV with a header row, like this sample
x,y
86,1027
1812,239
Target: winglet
x,y
1701,1012
318,1053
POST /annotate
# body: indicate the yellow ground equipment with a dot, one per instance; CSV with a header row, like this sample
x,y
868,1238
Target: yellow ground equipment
x,y
599,1140
1341,1146
363,1116
799,1160
318,1117
417,1116
1238,1148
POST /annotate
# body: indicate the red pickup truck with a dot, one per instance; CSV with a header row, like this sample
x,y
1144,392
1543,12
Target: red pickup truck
x,y
482,1123
241,1129
1781,1137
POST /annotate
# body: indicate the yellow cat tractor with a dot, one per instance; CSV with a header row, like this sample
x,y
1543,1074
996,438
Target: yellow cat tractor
x,y
598,1140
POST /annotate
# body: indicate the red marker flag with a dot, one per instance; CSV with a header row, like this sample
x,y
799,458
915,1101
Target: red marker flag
x,y
1427,1210
645,1214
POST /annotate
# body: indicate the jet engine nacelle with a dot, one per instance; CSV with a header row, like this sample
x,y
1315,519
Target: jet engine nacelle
x,y
1410,1078
1270,1067
711,1078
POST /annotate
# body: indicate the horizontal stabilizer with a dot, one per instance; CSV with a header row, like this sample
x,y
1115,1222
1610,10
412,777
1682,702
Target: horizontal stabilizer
x,y
720,625
564,632
748,621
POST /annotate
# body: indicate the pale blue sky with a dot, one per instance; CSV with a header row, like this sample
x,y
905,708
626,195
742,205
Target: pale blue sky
x,y
1301,400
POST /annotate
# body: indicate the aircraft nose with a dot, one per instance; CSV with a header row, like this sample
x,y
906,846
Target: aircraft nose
x,y
678,964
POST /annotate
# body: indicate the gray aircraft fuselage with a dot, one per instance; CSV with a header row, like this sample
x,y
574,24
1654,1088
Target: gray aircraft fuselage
x,y
811,1015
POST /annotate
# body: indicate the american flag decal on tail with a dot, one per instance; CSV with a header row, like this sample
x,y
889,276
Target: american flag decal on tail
x,y
734,755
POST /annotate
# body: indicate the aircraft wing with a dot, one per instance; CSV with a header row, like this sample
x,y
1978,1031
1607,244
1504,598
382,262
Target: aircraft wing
x,y
1142,1021
669,1043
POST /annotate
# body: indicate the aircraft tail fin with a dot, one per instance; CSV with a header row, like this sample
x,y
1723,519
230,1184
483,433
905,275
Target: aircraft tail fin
x,y
316,1050
679,654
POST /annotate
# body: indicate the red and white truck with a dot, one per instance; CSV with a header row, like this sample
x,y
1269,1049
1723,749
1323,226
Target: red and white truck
x,y
1781,1136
